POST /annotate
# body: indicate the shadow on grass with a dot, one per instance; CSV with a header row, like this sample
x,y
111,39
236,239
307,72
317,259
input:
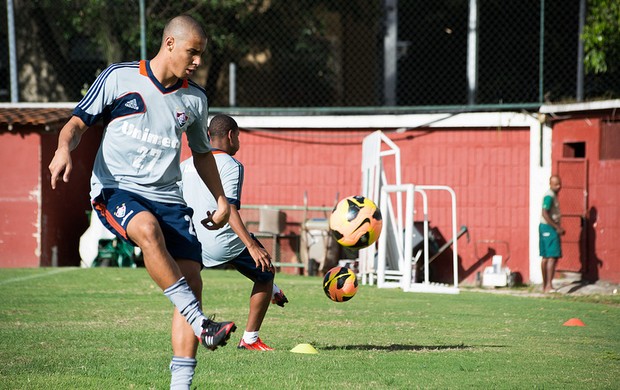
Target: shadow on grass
x,y
394,347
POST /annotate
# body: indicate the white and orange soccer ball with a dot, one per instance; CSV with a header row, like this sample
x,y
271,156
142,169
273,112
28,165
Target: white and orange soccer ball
x,y
355,222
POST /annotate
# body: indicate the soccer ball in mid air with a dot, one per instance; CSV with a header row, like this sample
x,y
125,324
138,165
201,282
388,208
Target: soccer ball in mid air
x,y
340,284
355,222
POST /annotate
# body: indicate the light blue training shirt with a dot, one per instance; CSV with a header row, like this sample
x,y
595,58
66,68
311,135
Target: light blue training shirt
x,y
222,245
144,122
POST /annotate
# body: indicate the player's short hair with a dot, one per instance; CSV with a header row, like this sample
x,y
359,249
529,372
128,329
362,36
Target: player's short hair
x,y
220,125
179,25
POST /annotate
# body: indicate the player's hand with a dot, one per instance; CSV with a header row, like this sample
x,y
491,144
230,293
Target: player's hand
x,y
262,258
561,230
215,220
61,166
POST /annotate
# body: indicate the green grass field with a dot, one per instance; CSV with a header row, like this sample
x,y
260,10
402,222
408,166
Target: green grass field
x,y
108,328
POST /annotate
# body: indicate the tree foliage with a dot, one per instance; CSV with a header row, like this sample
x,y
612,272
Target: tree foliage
x,y
601,36
290,35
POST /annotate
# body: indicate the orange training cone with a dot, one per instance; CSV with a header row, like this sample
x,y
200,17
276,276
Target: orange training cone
x,y
574,322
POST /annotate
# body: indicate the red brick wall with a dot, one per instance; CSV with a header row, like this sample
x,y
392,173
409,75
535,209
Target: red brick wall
x,y
603,208
281,165
64,210
488,169
19,203
26,198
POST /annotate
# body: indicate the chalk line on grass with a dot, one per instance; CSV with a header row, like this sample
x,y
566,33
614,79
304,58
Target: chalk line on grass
x,y
53,272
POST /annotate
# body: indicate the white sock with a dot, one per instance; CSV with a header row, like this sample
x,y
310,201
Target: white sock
x,y
250,337
181,295
275,290
182,372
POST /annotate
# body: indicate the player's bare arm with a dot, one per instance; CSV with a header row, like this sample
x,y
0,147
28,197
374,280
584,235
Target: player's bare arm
x,y
68,140
547,217
259,254
207,170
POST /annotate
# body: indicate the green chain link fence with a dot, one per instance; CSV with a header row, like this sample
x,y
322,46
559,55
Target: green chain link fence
x,y
316,54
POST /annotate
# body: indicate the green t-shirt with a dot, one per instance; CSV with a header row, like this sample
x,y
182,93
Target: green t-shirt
x,y
552,205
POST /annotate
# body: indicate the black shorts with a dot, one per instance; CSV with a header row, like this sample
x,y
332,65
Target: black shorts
x,y
116,207
244,263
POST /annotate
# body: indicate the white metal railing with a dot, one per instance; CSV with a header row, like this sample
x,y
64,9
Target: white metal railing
x,y
403,277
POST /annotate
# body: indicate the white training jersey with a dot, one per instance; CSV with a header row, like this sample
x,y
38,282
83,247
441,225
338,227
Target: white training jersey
x,y
144,122
221,245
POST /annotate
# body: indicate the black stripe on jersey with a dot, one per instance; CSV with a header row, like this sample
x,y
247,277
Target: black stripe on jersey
x,y
99,83
234,202
240,182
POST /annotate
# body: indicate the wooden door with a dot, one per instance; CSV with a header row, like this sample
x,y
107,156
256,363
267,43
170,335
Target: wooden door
x,y
573,199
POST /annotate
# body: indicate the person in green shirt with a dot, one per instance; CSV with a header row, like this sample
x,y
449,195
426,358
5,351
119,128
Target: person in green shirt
x,y
549,231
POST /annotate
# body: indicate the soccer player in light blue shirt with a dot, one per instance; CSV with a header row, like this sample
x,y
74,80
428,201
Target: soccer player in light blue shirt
x,y
233,244
145,107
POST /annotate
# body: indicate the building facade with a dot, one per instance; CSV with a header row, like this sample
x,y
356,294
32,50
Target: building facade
x,y
497,163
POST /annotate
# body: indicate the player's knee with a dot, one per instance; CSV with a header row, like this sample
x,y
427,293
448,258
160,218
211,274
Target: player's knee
x,y
145,232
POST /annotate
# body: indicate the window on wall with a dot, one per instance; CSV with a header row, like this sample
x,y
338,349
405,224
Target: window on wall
x,y
574,150
610,140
